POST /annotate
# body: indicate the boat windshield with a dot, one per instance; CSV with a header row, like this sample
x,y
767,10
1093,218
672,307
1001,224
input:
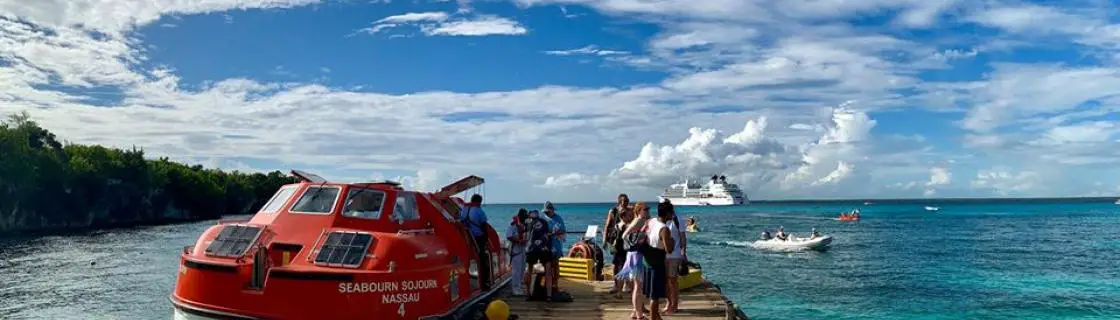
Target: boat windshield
x,y
405,208
317,200
279,199
364,203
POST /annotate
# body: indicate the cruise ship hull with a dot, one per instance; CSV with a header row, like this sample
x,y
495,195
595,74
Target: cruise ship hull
x,y
682,201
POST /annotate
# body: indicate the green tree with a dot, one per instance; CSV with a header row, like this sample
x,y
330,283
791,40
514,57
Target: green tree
x,y
46,184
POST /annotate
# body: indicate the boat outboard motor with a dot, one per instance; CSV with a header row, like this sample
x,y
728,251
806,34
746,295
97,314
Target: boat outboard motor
x,y
766,235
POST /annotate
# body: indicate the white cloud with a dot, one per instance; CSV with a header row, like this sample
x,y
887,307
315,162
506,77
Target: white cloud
x,y
587,50
939,176
1016,92
1006,183
1097,131
443,24
754,159
569,180
414,17
481,26
118,16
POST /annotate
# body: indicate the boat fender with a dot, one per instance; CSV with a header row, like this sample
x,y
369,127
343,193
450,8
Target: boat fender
x,y
497,310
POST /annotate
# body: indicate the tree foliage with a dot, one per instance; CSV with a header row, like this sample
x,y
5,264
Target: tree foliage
x,y
46,184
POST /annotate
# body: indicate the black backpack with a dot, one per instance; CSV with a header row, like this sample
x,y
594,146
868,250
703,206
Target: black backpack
x,y
540,239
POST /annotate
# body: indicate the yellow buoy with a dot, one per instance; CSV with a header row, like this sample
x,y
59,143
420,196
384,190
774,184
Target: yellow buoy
x,y
497,310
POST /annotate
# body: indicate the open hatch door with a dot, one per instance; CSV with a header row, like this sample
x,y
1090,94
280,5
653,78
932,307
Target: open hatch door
x,y
307,176
461,185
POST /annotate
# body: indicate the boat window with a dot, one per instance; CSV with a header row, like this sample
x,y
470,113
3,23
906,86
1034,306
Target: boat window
x,y
364,203
317,200
405,209
279,199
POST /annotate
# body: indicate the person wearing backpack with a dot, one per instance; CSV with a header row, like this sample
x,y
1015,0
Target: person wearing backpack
x,y
539,250
618,217
475,220
634,268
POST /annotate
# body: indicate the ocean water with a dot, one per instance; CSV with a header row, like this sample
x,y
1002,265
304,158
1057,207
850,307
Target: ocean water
x,y
966,261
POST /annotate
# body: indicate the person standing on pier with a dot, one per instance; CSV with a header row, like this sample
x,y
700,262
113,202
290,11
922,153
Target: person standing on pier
x,y
617,219
558,237
674,259
633,269
517,243
475,219
660,244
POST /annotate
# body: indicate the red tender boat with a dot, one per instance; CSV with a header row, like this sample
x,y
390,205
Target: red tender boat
x,y
323,250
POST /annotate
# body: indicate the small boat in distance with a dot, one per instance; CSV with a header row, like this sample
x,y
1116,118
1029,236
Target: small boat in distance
x,y
329,250
819,243
931,208
716,192
1117,201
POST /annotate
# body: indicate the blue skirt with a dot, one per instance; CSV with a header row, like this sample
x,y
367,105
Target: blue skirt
x,y
633,268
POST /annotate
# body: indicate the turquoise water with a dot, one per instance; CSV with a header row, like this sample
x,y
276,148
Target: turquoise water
x,y
966,261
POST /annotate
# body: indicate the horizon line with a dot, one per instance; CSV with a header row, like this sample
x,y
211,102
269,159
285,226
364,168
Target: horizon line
x,y
872,200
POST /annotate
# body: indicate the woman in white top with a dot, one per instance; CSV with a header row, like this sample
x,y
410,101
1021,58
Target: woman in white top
x,y
673,260
660,244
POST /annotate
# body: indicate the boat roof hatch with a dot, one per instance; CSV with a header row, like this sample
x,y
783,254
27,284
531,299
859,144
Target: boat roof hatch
x,y
461,185
394,184
307,176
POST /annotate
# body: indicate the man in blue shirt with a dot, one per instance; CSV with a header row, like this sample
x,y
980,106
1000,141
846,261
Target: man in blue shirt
x,y
556,224
475,220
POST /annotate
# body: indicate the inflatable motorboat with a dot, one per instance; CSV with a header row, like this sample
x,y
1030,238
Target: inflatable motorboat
x,y
794,243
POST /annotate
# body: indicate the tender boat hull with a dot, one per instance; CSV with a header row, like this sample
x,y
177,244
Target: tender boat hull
x,y
184,310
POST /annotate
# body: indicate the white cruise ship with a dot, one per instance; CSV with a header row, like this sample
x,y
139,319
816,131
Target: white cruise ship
x,y
717,192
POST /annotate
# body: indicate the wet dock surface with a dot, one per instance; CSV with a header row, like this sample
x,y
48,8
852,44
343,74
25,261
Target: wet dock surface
x,y
592,300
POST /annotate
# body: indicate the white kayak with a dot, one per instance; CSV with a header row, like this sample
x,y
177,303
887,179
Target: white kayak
x,y
794,244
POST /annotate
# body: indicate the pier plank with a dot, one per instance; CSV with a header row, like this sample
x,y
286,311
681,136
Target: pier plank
x,y
592,300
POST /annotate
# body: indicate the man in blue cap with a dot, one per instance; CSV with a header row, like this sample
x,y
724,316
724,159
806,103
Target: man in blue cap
x,y
558,237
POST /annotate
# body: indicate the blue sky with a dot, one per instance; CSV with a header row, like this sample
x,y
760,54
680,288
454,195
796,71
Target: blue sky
x,y
578,100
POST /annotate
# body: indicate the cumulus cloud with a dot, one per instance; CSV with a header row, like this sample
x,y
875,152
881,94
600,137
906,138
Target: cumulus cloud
x,y
443,24
1006,183
752,158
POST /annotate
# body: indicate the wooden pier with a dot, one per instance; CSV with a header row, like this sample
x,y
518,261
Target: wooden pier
x,y
592,300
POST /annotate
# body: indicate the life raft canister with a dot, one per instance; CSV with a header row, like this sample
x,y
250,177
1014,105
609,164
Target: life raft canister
x,y
589,250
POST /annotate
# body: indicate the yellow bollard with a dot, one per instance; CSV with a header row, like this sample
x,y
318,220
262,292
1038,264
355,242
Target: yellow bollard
x,y
497,310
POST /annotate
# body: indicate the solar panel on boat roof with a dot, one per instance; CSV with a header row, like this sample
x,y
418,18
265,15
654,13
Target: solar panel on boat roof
x,y
233,241
344,249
